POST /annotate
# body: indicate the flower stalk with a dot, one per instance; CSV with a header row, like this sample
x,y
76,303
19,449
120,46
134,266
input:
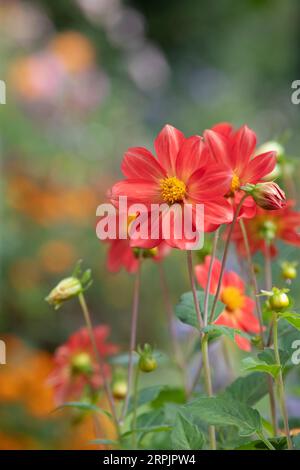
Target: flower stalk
x,y
281,392
133,332
106,385
204,346
225,254
259,314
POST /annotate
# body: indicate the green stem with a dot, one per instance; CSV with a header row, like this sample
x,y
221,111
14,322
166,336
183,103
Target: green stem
x,y
204,346
225,254
171,325
135,403
281,391
253,279
261,436
208,386
193,287
133,331
98,358
210,270
259,315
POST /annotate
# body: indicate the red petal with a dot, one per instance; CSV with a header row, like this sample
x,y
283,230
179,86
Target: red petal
x,y
209,184
259,167
137,190
244,143
218,212
120,255
223,128
243,343
233,279
191,156
218,146
138,162
201,273
167,145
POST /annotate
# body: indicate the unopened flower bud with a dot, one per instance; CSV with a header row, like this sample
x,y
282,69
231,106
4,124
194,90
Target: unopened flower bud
x,y
119,389
82,363
271,146
147,363
278,299
65,290
289,270
267,195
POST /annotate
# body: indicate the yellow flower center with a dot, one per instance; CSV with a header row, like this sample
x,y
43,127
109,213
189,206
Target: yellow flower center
x,y
235,183
130,219
172,189
232,298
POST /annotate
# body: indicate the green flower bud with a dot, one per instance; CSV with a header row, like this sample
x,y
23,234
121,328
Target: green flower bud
x,y
278,299
119,389
65,290
289,270
147,363
82,364
279,302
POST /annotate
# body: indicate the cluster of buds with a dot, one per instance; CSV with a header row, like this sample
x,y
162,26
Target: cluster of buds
x,y
268,195
69,287
147,362
278,300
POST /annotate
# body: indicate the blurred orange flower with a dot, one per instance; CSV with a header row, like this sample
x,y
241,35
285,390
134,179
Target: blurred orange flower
x,y
23,381
24,273
47,203
57,256
74,50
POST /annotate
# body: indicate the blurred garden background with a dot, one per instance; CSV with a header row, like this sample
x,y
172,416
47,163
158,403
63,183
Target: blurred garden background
x,y
86,79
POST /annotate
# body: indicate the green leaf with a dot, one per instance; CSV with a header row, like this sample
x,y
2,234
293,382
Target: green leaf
x,y
107,442
223,411
146,395
292,318
253,364
186,435
268,356
185,310
169,395
84,407
278,442
249,389
225,330
146,430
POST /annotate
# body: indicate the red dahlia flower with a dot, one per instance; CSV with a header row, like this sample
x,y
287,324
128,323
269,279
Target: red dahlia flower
x,y
269,226
75,366
238,311
180,175
235,150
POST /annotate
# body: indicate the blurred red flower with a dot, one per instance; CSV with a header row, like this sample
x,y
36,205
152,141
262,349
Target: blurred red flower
x,y
238,311
75,367
268,227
